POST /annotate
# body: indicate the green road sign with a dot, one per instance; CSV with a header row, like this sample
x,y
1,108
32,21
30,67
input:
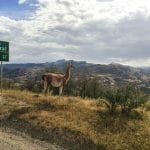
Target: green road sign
x,y
4,51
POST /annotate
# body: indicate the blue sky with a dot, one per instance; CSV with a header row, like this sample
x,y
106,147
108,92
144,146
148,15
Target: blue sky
x,y
14,10
97,31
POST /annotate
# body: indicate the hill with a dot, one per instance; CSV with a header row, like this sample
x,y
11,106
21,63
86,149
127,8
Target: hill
x,y
74,123
112,74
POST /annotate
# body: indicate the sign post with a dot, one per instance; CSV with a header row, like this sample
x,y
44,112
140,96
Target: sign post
x,y
1,77
4,56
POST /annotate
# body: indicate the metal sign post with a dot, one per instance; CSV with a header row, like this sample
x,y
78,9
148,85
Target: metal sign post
x,y
1,77
4,56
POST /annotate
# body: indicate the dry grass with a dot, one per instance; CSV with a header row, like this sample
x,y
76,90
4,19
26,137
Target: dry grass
x,y
147,106
76,123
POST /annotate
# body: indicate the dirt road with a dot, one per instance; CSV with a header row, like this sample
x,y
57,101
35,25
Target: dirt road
x,y
13,140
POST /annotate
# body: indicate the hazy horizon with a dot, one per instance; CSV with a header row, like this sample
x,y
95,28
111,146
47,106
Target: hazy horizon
x,y
76,61
95,31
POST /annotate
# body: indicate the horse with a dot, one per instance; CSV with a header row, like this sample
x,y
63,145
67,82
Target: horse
x,y
57,80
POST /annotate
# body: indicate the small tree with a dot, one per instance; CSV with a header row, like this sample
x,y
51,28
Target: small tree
x,y
111,97
70,88
128,97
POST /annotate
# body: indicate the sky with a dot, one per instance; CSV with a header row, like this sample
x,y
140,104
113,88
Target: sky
x,y
96,31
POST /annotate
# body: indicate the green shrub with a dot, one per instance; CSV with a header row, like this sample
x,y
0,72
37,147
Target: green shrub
x,y
111,97
128,97
147,105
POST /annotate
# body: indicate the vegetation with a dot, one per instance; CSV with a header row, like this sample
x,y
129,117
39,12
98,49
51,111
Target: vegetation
x,y
147,105
99,109
83,76
75,123
128,97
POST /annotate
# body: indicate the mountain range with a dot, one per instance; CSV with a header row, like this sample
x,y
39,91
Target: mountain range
x,y
110,74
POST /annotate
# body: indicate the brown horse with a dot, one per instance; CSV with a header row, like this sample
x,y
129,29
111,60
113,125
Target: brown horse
x,y
56,80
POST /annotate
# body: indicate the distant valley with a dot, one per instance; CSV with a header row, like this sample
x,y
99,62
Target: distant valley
x,y
110,75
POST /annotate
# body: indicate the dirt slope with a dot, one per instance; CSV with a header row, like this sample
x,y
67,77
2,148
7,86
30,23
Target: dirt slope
x,y
70,122
14,140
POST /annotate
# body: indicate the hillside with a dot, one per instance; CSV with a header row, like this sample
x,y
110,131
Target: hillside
x,y
112,74
74,123
83,67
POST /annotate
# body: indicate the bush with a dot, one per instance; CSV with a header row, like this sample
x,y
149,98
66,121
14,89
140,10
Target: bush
x,y
147,105
111,97
127,97
130,97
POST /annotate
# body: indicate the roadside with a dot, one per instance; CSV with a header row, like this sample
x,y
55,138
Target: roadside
x,y
71,123
13,139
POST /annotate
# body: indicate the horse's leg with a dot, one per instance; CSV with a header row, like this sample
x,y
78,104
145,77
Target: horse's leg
x,y
50,89
60,90
45,86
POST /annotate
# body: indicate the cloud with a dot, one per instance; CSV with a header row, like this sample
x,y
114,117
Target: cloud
x,y
105,0
92,30
21,1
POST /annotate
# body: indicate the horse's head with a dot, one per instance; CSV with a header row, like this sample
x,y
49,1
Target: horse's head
x,y
71,65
